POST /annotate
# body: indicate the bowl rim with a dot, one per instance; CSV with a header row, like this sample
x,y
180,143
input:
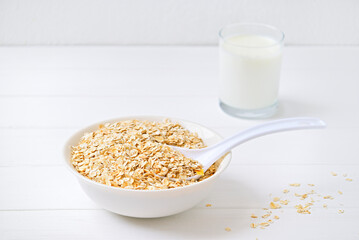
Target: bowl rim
x,y
83,130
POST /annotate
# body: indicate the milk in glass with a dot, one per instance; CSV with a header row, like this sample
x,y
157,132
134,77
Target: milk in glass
x,y
249,71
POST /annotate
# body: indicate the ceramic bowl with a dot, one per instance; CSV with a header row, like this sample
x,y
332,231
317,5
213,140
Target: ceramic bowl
x,y
147,203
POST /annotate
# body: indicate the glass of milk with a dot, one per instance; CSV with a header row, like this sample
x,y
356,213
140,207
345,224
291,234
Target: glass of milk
x,y
250,63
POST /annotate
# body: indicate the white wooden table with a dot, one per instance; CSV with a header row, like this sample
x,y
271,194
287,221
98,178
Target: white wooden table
x,y
47,93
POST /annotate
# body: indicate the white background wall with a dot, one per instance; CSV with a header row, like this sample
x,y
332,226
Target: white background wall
x,y
172,21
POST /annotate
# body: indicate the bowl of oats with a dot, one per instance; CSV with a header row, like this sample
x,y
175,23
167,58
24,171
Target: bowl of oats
x,y
126,165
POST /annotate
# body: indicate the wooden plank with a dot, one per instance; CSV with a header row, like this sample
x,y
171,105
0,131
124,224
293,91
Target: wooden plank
x,y
103,56
99,71
240,186
92,81
196,224
34,147
41,188
40,57
53,112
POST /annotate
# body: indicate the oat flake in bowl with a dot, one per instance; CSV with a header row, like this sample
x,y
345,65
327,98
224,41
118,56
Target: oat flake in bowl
x,y
132,154
147,203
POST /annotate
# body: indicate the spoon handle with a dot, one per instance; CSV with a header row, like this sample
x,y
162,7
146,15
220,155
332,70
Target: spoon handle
x,y
264,129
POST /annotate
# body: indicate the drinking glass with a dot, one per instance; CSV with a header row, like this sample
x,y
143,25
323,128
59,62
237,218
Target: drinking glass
x,y
250,64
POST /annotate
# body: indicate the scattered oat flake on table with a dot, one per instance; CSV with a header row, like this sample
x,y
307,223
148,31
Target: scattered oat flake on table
x,y
264,224
302,210
325,205
253,225
266,215
284,202
334,174
285,191
311,192
276,199
253,216
208,205
349,179
273,205
228,229
341,211
304,196
340,192
328,197
311,185
294,184
276,217
308,204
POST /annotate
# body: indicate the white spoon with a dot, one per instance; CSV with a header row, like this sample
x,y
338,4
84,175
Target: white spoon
x,y
207,156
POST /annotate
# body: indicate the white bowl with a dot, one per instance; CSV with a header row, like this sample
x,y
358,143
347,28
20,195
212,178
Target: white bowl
x,y
147,203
